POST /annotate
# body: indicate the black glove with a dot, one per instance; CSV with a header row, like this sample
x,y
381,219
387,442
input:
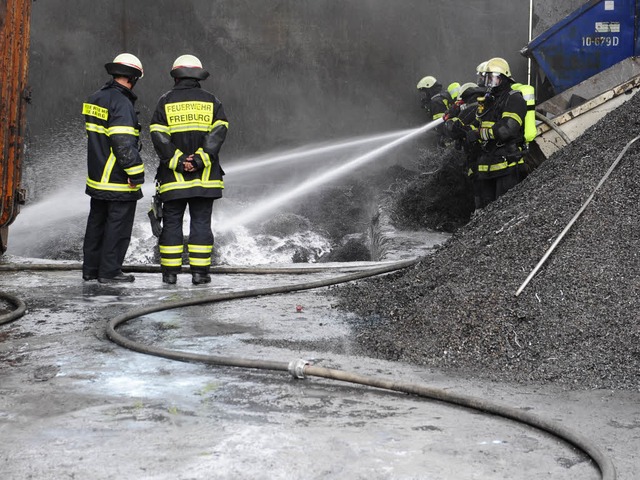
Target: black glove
x,y
452,112
197,162
182,161
473,136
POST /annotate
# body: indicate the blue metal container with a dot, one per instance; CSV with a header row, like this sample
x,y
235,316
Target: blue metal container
x,y
596,36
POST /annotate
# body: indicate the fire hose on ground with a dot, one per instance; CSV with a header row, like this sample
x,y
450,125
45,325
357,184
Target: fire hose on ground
x,y
19,311
301,368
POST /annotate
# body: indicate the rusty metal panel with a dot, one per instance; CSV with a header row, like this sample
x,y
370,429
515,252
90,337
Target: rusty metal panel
x,y
15,16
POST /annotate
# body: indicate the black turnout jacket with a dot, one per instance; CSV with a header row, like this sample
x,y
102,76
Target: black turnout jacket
x,y
115,169
189,121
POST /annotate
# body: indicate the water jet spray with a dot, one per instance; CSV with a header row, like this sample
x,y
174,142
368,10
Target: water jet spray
x,y
297,154
316,181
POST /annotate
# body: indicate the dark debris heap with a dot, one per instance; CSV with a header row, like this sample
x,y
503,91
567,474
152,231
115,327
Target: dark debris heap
x,y
576,324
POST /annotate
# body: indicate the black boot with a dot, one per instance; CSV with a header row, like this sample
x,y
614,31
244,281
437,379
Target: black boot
x,y
170,278
121,278
200,278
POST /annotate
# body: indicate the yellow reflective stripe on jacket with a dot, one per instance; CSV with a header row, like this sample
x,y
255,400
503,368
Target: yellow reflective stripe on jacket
x,y
195,127
157,127
187,127
205,157
116,130
123,130
92,127
218,123
135,170
494,167
200,248
171,249
167,187
108,168
173,163
514,116
112,187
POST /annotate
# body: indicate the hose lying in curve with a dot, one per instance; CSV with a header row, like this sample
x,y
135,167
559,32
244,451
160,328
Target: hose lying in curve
x,y
21,308
144,268
301,368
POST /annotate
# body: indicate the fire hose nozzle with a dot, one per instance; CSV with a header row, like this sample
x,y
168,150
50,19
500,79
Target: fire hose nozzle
x,y
296,368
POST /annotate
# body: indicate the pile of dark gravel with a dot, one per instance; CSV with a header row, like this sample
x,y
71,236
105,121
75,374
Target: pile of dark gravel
x,y
576,324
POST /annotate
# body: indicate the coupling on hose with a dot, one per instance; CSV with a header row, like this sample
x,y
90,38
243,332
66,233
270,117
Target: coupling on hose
x,y
296,368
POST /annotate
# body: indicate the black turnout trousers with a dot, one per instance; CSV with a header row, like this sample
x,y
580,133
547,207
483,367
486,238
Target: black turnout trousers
x,y
200,234
107,237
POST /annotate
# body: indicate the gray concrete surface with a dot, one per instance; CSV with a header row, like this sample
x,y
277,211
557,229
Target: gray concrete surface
x,y
75,405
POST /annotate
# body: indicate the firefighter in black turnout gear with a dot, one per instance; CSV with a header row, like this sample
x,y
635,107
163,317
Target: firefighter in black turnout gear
x,y
115,171
436,101
428,87
188,129
460,119
500,133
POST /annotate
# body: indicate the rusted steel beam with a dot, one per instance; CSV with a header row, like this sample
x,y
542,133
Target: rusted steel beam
x,y
15,20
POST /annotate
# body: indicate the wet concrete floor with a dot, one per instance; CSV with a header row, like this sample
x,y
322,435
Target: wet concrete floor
x,y
73,404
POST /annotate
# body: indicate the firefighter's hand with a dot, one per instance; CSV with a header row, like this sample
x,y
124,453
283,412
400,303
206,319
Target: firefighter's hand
x,y
452,112
473,136
131,184
188,166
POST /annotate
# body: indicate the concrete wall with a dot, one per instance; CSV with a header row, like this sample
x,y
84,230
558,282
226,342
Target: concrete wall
x,y
287,71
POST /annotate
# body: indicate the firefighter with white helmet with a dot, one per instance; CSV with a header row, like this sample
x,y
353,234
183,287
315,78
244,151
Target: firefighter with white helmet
x,y
436,100
480,73
428,87
115,171
500,134
188,128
